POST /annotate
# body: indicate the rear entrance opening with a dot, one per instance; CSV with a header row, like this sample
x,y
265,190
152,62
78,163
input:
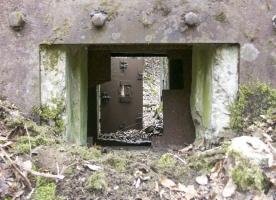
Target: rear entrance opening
x,y
139,98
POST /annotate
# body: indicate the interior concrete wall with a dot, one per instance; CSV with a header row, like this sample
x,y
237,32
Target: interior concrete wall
x,y
247,23
76,92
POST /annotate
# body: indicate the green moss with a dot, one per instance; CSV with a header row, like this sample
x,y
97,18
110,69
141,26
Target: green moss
x,y
86,153
161,6
221,17
110,7
200,164
167,165
45,190
249,35
159,109
246,175
53,55
254,100
97,182
166,161
116,162
23,145
52,114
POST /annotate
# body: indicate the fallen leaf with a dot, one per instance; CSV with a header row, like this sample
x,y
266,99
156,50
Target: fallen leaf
x,y
26,165
202,180
138,182
229,189
191,193
180,188
93,167
167,182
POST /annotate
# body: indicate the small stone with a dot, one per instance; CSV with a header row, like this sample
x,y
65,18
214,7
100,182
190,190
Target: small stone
x,y
98,19
274,21
253,149
191,19
229,189
202,180
16,20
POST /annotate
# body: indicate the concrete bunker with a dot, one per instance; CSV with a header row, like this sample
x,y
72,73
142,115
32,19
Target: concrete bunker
x,y
202,82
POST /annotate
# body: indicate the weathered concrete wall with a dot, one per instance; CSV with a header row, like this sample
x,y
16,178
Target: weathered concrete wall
x,y
214,87
52,66
138,21
201,98
64,74
77,91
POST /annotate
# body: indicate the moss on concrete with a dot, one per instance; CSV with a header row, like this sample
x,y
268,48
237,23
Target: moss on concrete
x,y
221,17
53,56
201,88
111,7
76,91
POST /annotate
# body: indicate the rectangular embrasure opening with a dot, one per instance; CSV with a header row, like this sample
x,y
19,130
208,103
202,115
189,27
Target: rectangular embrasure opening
x,y
158,94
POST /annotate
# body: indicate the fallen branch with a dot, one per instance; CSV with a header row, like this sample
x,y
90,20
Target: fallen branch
x,y
177,157
46,175
211,152
8,160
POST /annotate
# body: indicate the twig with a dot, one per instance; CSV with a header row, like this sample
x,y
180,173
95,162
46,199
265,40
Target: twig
x,y
46,175
183,161
66,167
25,179
30,194
273,149
30,145
6,144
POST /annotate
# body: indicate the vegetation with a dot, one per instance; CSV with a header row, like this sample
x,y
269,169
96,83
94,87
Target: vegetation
x,y
166,161
118,163
52,115
97,182
246,175
254,100
23,143
45,190
86,153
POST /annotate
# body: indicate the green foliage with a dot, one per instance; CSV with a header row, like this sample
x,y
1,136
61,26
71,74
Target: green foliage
x,y
45,190
200,164
166,161
116,162
23,145
86,153
52,114
97,182
246,175
254,100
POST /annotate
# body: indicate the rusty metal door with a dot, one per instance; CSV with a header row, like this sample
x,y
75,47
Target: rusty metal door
x,y
122,97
